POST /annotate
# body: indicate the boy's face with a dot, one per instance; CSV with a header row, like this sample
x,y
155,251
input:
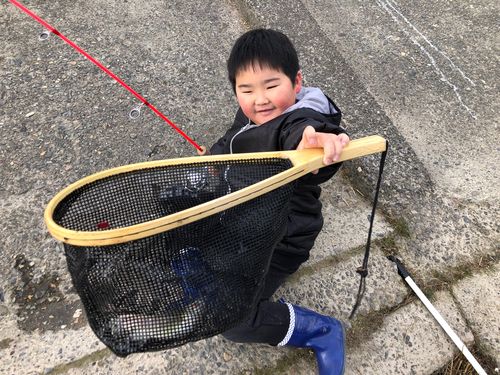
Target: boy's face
x,y
264,93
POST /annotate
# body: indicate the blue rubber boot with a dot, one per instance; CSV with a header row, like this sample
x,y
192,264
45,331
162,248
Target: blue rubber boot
x,y
322,333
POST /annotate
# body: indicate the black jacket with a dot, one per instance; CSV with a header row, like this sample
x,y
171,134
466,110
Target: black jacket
x,y
285,133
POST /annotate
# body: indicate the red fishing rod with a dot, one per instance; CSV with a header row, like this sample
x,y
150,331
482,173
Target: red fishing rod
x,y
135,113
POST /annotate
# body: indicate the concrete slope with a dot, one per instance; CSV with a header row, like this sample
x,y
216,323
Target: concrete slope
x,y
433,68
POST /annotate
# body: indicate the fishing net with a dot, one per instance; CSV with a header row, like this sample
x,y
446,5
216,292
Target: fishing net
x,y
184,284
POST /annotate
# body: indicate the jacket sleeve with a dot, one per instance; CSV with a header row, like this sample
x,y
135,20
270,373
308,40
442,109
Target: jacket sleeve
x,y
292,133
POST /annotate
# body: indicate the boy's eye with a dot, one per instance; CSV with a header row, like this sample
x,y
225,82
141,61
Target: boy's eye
x,y
271,87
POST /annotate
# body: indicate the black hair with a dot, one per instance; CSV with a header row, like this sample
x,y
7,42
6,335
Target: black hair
x,y
268,48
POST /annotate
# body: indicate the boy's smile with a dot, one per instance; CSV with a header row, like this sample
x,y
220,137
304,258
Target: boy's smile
x,y
264,93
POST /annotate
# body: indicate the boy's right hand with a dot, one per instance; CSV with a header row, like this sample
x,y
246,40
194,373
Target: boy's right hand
x,y
332,144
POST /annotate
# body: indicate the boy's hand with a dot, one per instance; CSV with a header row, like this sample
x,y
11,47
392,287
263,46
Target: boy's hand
x,y
331,144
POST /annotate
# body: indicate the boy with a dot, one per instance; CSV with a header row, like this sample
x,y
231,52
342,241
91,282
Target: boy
x,y
277,113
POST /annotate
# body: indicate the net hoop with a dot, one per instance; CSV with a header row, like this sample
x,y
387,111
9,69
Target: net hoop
x,y
304,161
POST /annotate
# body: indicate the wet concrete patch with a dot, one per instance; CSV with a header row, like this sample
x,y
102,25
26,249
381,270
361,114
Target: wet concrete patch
x,y
4,344
42,306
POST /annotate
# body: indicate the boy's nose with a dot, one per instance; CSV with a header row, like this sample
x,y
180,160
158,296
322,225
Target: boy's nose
x,y
261,99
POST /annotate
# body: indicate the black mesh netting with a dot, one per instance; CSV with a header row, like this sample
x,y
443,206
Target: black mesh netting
x,y
184,284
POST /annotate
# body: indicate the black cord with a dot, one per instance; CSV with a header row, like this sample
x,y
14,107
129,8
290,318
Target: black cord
x,y
363,270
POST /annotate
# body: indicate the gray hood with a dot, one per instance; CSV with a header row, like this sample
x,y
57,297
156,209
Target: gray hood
x,y
313,98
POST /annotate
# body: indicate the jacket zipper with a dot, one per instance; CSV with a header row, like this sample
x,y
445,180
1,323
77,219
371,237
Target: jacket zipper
x,y
243,129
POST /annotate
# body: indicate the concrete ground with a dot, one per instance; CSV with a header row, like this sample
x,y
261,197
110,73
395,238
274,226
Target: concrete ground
x,y
423,75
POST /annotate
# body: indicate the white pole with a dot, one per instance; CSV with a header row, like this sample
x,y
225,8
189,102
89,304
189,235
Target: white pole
x,y
406,277
446,327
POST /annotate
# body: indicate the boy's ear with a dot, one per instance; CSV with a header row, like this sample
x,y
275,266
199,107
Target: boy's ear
x,y
298,82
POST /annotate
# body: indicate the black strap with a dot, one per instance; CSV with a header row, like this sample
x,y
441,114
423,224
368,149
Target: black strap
x,y
363,270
